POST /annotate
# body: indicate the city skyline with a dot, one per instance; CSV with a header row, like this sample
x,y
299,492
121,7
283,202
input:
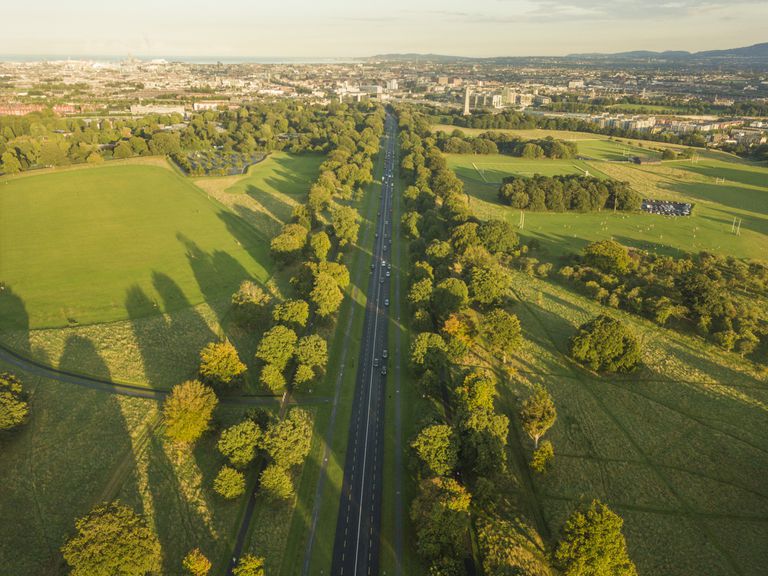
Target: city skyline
x,y
299,29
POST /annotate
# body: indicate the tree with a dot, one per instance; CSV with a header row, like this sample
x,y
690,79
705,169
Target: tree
x,y
188,411
427,351
238,443
163,143
320,244
276,482
288,440
122,150
326,295
489,284
9,164
292,312
277,346
112,539
437,448
542,456
344,220
272,377
287,246
420,293
608,255
502,331
440,514
251,303
312,351
498,236
220,365
229,483
249,565
13,402
538,414
196,564
593,545
604,344
450,296
510,547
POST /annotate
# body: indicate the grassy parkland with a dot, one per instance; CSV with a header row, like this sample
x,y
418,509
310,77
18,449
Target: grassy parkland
x,y
721,187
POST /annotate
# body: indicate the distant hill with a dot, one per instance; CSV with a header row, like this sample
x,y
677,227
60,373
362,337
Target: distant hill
x,y
756,51
415,57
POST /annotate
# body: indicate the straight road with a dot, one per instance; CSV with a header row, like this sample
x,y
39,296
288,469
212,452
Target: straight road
x,y
357,541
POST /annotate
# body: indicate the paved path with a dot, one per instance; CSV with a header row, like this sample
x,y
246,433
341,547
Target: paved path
x,y
357,542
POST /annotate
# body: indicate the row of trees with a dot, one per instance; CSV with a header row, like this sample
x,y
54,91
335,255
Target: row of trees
x,y
567,192
721,298
43,139
501,142
459,292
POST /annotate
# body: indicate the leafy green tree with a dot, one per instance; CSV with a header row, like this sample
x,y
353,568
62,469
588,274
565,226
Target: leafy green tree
x,y
188,411
122,150
238,443
276,482
420,293
288,440
112,539
489,285
510,547
287,246
447,567
303,375
251,304
498,236
427,350
229,483
294,312
344,220
220,366
440,514
272,377
277,346
542,456
450,296
249,565
9,163
604,344
538,414
13,403
593,544
410,222
320,244
326,295
196,564
312,351
437,448
608,256
502,332
163,143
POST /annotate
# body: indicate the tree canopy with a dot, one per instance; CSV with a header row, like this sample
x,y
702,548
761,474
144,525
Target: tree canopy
x,y
188,411
13,402
605,345
220,364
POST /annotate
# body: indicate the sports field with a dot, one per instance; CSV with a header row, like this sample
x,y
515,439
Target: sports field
x,y
679,449
721,188
76,245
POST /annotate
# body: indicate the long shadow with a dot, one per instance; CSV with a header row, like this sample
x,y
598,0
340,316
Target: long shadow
x,y
14,321
267,224
273,204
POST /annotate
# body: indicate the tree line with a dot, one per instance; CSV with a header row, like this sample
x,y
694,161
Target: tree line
x,y
503,143
720,298
567,192
459,299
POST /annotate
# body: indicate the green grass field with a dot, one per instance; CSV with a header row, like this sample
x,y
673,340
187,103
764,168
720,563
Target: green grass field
x,y
115,242
679,449
743,194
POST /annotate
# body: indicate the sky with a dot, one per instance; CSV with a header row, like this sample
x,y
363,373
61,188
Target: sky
x,y
344,28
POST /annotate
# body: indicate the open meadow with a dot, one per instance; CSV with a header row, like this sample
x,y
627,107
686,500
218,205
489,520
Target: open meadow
x,y
679,449
720,186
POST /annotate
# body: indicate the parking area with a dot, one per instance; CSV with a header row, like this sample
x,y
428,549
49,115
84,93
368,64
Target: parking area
x,y
667,207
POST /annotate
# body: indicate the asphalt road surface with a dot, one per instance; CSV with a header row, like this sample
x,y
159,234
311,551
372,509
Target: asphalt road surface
x,y
357,545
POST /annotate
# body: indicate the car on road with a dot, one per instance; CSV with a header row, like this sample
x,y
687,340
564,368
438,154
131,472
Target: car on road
x,y
375,362
386,301
385,353
381,280
389,266
383,370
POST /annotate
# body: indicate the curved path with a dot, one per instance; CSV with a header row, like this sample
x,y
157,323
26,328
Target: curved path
x,y
104,385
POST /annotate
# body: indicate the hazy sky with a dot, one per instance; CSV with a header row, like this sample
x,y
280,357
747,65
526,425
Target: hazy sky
x,y
338,28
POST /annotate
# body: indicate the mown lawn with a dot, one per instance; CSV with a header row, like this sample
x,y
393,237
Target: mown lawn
x,y
114,242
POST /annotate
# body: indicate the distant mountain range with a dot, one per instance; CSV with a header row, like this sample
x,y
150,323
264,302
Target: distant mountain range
x,y
756,52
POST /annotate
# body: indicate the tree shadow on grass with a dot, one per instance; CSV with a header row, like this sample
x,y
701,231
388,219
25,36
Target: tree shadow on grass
x,y
14,320
275,207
